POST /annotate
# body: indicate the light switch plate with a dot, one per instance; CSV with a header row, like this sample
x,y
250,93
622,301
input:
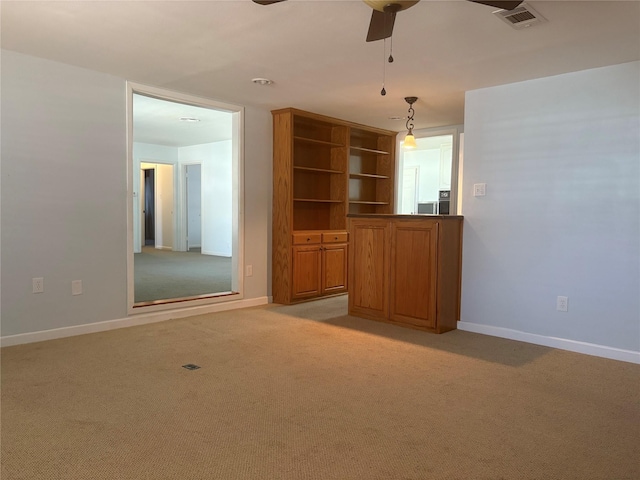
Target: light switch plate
x,y
76,287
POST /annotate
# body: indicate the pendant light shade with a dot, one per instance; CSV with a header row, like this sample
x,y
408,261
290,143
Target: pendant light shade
x,y
410,140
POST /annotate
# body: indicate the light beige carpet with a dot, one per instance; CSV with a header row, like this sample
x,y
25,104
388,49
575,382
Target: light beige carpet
x,y
307,392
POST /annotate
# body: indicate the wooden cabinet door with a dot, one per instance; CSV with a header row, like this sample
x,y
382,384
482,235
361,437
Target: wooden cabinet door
x,y
414,258
369,268
334,268
307,270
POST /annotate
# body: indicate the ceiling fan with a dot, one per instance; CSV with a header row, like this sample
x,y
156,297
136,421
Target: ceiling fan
x,y
384,13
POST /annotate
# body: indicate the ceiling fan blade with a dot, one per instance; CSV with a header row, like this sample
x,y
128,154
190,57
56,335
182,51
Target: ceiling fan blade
x,y
499,4
381,25
267,2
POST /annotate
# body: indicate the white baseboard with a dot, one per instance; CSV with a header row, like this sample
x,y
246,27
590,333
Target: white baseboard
x,y
216,254
554,342
131,321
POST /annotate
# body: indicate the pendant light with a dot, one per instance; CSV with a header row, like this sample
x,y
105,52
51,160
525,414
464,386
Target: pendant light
x,y
410,140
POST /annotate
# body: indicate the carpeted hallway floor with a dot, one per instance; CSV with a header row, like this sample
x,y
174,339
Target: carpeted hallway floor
x,y
164,274
308,392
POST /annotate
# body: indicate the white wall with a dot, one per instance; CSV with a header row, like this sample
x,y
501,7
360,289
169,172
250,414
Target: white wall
x,y
257,187
428,163
64,154
150,153
64,196
165,225
217,219
561,160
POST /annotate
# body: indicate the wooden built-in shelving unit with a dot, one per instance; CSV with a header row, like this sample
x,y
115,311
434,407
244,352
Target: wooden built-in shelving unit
x,y
323,169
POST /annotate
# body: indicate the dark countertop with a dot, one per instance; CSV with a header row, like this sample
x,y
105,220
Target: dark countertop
x,y
404,217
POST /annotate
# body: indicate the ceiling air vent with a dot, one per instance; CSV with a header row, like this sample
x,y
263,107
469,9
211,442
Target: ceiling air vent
x,y
520,17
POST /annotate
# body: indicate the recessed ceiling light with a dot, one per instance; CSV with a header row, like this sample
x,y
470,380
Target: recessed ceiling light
x,y
262,81
397,118
189,119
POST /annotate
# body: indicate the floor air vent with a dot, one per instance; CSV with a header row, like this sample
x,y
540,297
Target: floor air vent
x,y
520,17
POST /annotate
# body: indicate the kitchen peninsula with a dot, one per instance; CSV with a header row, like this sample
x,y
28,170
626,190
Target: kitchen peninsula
x,y
406,269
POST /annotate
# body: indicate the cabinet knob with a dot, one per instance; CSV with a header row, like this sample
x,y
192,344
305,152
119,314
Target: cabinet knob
x,y
308,239
335,238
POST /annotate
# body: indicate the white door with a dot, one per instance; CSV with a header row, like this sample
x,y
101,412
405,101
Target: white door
x,y
194,206
409,204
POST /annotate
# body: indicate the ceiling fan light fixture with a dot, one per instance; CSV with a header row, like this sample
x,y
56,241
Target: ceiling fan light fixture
x,y
390,5
409,139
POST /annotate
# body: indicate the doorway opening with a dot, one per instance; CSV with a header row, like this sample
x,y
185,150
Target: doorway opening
x,y
185,228
149,224
428,175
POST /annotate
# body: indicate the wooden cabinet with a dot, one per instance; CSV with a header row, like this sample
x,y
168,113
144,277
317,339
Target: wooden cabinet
x,y
334,268
406,269
369,267
322,169
307,271
413,273
319,268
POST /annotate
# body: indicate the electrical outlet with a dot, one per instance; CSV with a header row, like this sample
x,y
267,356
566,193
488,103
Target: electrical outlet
x,y
479,189
562,304
38,285
249,270
76,287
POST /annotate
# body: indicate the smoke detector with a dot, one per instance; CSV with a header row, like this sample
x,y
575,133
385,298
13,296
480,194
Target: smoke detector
x,y
523,16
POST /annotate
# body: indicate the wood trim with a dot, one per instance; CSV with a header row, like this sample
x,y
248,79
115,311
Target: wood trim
x,y
337,121
282,219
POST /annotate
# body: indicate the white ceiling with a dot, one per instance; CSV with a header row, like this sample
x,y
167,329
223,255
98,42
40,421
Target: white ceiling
x,y
315,51
159,122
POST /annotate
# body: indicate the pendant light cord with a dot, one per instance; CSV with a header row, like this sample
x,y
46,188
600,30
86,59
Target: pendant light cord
x,y
383,92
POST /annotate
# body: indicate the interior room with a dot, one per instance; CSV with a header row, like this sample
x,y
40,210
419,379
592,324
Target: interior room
x,y
168,131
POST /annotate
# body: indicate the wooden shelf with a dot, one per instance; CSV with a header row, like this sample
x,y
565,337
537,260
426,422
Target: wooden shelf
x,y
317,170
369,150
319,163
317,142
368,175
316,200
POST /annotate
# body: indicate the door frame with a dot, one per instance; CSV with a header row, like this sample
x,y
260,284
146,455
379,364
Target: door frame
x,y
156,200
237,141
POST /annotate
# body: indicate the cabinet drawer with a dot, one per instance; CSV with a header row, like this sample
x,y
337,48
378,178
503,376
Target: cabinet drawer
x,y
306,238
335,237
